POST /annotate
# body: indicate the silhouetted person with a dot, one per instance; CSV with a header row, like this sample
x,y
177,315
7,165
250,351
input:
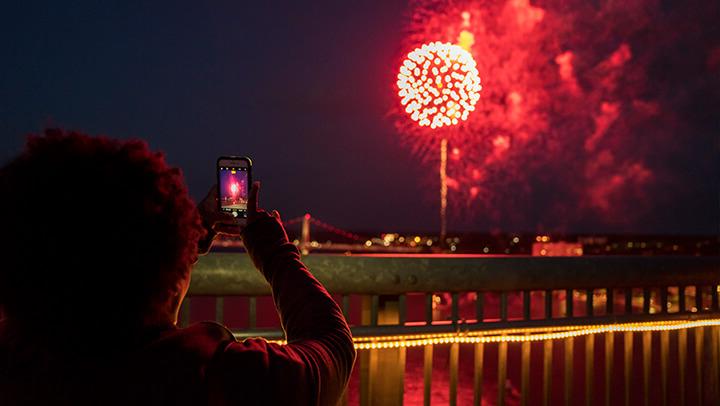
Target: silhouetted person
x,y
98,238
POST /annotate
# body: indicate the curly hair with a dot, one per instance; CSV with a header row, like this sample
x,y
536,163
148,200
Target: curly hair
x,y
93,232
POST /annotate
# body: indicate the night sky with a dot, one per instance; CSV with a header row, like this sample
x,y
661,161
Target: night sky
x,y
306,90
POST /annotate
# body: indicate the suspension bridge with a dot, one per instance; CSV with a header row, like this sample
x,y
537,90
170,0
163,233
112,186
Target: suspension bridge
x,y
335,238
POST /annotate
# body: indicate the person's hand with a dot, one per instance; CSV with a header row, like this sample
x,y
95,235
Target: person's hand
x,y
264,235
215,221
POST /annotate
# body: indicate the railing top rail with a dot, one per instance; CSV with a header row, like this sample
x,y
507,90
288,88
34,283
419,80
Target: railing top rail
x,y
227,274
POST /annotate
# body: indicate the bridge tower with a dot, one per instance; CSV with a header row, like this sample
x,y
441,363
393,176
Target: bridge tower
x,y
305,234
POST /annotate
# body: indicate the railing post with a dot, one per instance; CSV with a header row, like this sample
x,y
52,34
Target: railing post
x,y
628,365
681,299
609,361
366,357
220,310
682,362
699,378
589,368
525,349
454,364
548,304
547,372
185,312
628,301
428,354
503,306
478,375
568,375
526,304
479,350
589,302
646,352
427,374
385,370
252,312
664,355
710,367
502,372
714,353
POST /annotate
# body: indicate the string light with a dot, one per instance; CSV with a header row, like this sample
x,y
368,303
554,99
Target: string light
x,y
438,84
519,335
524,335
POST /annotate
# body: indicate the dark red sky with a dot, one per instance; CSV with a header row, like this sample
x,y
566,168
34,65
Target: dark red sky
x,y
306,91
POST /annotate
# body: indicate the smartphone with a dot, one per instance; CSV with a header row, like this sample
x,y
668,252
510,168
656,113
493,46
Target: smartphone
x,y
234,178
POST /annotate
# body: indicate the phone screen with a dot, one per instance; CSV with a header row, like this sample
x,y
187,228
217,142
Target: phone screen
x,y
233,188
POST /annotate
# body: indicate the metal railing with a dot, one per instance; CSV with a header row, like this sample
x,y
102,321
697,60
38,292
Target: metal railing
x,y
496,305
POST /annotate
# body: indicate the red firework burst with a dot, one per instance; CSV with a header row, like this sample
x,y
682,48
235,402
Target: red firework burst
x,y
438,84
555,111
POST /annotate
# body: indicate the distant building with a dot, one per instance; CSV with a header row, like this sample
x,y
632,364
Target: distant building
x,y
557,249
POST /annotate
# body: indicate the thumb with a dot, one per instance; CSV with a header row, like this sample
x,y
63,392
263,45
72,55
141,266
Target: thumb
x,y
276,214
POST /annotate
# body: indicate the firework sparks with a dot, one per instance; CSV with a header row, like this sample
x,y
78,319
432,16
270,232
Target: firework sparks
x,y
439,84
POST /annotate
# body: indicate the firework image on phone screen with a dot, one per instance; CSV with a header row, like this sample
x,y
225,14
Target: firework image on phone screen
x,y
233,185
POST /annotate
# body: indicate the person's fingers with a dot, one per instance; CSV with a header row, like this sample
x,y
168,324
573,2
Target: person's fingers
x,y
252,205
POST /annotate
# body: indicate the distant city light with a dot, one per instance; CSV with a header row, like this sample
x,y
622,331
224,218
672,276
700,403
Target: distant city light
x,y
438,84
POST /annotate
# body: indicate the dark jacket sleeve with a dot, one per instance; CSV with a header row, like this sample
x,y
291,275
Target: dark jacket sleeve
x,y
315,365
